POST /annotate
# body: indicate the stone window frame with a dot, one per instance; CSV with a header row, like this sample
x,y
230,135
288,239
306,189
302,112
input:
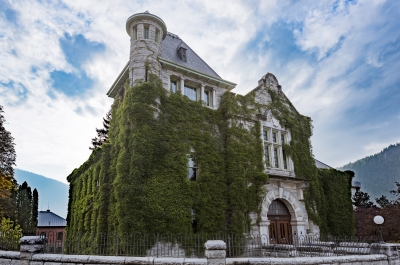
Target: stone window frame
x,y
146,31
283,160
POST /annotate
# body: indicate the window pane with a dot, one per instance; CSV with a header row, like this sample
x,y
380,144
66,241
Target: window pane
x,y
282,138
274,137
134,33
266,152
207,98
284,160
276,157
146,32
191,93
265,133
173,86
192,168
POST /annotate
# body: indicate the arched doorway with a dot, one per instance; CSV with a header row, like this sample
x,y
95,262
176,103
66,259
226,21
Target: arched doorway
x,y
279,219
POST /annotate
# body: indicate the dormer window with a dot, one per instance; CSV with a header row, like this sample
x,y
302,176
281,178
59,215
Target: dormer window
x,y
146,32
182,53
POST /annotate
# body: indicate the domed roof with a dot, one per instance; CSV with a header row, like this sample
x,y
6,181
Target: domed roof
x,y
148,16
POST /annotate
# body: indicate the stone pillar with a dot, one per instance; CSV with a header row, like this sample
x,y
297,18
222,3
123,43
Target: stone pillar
x,y
182,86
30,245
214,98
264,233
215,252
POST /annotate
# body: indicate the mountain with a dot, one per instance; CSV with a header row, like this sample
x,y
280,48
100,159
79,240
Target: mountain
x,y
379,172
52,193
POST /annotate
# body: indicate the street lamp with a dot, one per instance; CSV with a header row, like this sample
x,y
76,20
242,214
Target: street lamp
x,y
379,221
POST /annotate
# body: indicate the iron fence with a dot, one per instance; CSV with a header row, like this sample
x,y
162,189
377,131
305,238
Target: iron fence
x,y
192,245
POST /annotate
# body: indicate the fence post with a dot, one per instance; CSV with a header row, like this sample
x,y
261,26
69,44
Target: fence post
x,y
215,252
30,245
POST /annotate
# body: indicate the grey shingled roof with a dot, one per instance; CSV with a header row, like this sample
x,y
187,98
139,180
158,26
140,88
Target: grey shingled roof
x,y
48,219
169,52
319,164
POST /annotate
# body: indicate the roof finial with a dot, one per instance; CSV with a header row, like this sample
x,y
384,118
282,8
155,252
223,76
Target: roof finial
x,y
147,12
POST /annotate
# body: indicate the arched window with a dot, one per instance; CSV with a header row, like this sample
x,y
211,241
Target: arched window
x,y
277,208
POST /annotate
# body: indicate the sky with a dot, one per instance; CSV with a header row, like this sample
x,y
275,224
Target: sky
x,y
337,61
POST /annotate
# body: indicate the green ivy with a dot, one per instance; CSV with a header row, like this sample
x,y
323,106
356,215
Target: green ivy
x,y
137,182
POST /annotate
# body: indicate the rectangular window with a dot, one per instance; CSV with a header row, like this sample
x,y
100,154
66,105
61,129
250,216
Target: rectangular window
x,y
274,137
265,135
267,156
192,168
207,98
158,36
146,32
284,159
282,138
276,160
59,236
191,93
174,86
134,33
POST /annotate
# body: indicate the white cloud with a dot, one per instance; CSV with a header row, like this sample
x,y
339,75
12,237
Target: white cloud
x,y
53,137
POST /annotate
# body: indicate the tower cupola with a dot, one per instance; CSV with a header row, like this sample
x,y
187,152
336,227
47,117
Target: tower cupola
x,y
147,32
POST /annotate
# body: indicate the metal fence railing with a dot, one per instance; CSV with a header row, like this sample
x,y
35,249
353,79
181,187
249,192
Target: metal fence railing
x,y
192,245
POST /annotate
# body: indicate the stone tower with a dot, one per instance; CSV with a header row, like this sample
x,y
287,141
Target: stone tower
x,y
147,32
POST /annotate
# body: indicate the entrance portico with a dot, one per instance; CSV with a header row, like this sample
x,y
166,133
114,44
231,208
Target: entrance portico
x,y
283,212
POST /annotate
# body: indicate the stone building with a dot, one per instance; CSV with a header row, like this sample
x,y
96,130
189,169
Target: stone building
x,y
153,49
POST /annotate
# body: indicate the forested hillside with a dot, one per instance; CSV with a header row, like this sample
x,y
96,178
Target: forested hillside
x,y
379,172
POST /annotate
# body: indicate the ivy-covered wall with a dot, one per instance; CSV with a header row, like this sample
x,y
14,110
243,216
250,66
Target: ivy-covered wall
x,y
137,182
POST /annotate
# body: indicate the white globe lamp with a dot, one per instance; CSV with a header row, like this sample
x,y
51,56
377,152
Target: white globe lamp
x,y
379,221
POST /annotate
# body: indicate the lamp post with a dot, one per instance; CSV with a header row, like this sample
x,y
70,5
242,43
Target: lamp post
x,y
379,221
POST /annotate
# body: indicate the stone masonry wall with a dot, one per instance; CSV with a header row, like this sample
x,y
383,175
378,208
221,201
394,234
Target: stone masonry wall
x,y
215,255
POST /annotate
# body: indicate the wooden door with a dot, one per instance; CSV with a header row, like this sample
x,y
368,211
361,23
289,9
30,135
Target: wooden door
x,y
284,232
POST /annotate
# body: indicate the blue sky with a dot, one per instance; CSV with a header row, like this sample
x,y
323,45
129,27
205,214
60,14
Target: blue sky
x,y
337,61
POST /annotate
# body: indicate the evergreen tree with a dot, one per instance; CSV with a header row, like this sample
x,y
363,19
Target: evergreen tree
x,y
102,134
361,199
7,161
383,201
24,201
35,207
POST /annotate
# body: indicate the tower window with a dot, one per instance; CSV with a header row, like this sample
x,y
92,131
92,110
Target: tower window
x,y
134,33
146,32
274,137
157,36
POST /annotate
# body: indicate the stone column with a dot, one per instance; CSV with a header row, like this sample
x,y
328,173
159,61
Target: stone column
x,y
30,245
182,86
214,98
215,252
264,233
